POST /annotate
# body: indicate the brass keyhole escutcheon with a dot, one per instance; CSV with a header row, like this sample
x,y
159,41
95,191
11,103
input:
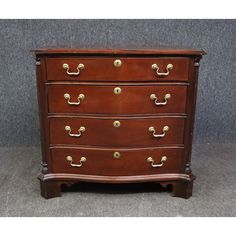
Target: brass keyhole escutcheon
x,y
116,123
117,90
117,63
116,155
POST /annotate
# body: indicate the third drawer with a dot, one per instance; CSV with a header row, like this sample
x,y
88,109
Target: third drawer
x,y
117,131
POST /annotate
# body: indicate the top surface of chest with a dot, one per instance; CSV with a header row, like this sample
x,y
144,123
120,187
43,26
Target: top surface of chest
x,y
131,51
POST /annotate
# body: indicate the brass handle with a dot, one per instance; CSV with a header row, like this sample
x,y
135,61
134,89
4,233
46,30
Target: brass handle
x,y
150,160
80,131
168,68
70,159
153,97
67,68
80,97
153,131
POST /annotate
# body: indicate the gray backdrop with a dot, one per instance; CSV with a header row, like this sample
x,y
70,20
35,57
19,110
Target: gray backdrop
x,y
216,111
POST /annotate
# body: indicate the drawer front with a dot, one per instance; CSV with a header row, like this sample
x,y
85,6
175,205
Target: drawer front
x,y
116,161
117,131
131,69
111,99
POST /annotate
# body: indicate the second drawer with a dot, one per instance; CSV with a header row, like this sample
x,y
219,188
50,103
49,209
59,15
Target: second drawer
x,y
117,99
117,131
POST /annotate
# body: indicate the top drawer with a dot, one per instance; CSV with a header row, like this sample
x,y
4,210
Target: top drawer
x,y
118,69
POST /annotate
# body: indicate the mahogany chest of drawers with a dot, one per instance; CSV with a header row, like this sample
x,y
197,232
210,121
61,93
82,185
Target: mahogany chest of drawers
x,y
116,116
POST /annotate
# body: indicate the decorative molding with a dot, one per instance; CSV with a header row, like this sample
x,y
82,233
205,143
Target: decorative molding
x,y
115,179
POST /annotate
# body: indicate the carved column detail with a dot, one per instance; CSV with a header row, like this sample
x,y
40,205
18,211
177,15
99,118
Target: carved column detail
x,y
188,168
44,167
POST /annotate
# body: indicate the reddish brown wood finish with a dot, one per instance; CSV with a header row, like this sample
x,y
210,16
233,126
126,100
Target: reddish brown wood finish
x,y
131,100
102,161
50,189
43,111
132,131
103,69
183,189
156,51
133,108
191,105
51,183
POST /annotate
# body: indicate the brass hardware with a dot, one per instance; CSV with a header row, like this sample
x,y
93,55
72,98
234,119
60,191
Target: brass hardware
x,y
37,63
80,131
116,123
116,155
163,159
196,64
70,159
67,68
168,68
117,90
117,63
153,97
153,131
80,97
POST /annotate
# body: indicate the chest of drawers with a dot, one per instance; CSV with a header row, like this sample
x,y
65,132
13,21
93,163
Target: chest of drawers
x,y
116,116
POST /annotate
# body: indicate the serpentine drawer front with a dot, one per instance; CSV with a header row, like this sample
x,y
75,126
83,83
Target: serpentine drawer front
x,y
117,99
116,162
117,131
118,69
116,116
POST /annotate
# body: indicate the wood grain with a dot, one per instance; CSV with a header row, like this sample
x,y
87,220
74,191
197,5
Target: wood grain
x,y
102,162
101,99
159,50
132,131
103,69
133,108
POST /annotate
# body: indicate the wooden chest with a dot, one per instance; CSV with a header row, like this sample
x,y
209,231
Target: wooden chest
x,y
116,116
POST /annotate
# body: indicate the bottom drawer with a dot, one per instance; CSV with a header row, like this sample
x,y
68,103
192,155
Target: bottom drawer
x,y
116,162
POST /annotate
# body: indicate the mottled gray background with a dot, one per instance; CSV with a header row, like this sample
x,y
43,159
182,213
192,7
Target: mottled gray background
x,y
216,110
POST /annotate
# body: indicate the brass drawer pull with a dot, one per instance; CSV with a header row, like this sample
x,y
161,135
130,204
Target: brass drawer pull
x,y
150,160
153,97
80,131
70,159
153,131
67,68
80,97
168,68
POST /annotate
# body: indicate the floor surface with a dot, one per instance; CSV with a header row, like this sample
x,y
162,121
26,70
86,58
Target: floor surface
x,y
214,192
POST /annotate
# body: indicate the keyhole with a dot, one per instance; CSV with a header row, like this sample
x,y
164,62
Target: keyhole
x,y
117,63
117,90
116,123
